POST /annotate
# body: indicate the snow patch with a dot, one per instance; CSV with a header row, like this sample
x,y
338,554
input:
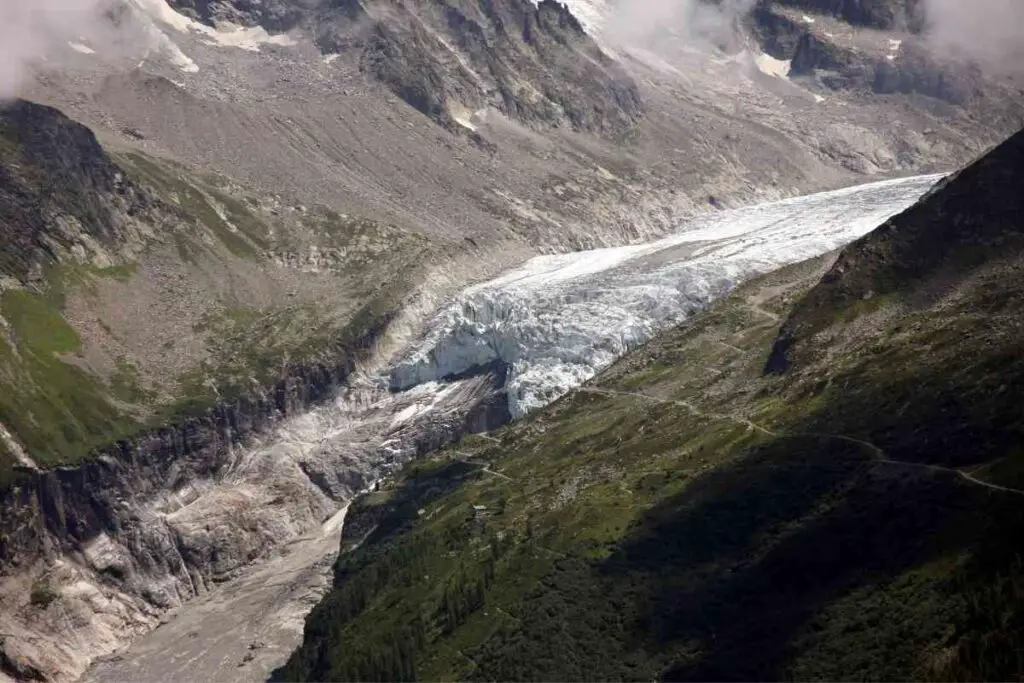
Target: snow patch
x,y
462,116
328,59
590,13
245,38
465,123
335,522
79,47
773,67
159,12
807,19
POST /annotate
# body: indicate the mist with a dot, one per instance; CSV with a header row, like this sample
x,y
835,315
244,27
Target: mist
x,y
647,22
988,31
32,30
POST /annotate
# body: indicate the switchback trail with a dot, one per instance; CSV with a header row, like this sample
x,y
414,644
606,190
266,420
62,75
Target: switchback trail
x,y
486,469
880,455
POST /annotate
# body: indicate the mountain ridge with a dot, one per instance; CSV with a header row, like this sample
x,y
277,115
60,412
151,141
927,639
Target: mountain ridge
x,y
969,221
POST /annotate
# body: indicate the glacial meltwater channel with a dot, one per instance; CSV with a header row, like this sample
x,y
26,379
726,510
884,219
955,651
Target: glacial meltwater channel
x,y
497,351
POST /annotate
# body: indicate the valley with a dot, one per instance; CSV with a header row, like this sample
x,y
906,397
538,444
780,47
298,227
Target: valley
x,y
517,352
571,326
700,511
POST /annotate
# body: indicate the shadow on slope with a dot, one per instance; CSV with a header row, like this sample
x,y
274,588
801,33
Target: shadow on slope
x,y
803,559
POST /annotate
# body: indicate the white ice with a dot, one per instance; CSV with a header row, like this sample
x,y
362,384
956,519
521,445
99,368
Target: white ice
x,y
559,320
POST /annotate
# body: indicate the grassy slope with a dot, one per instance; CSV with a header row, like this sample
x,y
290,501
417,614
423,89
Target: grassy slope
x,y
60,410
631,538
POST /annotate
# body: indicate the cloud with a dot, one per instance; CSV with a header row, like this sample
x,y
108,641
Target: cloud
x,y
34,29
988,31
649,22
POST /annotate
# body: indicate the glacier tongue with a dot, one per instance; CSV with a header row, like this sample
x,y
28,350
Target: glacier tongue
x,y
559,320
526,337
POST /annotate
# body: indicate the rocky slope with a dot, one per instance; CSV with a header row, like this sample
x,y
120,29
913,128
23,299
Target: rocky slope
x,y
922,255
533,63
535,132
496,358
153,321
877,49
283,199
136,286
687,515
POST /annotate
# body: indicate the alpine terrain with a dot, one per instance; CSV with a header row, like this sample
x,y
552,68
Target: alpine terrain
x,y
588,340
839,499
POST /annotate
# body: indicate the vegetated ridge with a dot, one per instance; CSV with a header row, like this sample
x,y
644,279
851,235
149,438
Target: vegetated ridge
x,y
852,512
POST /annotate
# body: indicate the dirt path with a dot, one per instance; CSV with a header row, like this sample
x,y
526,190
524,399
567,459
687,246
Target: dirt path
x,y
878,453
486,469
766,313
730,346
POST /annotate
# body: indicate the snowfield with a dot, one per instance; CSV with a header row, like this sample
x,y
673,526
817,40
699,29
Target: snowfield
x,y
559,320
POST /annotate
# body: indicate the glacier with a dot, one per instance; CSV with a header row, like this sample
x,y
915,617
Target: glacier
x,y
559,320
497,350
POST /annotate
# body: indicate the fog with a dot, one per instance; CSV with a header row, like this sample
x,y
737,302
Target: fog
x,y
30,29
643,22
989,31
36,31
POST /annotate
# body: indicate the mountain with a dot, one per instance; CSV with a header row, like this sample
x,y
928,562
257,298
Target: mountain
x,y
877,49
155,319
229,227
503,122
494,352
134,288
850,513
966,235
531,62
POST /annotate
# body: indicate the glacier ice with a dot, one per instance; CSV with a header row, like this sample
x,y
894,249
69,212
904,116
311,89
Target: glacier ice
x,y
559,320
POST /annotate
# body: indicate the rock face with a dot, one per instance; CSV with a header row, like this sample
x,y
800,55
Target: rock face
x,y
880,14
274,15
60,193
162,520
533,63
62,510
873,47
972,218
449,59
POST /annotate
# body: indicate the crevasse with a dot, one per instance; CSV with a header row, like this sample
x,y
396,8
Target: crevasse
x,y
559,320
